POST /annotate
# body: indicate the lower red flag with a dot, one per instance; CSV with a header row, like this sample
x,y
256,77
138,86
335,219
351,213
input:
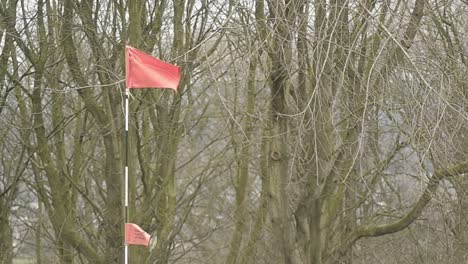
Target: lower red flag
x,y
134,235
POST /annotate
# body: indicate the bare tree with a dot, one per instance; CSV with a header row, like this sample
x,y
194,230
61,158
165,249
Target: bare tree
x,y
299,128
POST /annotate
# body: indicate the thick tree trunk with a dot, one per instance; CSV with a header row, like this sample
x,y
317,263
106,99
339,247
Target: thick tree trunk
x,y
242,174
6,235
461,221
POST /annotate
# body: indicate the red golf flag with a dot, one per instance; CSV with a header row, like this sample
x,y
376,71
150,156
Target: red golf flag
x,y
145,71
134,235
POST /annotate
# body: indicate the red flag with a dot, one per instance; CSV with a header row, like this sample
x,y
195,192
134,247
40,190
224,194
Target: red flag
x,y
145,71
134,235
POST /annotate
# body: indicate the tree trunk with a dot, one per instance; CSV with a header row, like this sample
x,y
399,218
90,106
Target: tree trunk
x,y
6,234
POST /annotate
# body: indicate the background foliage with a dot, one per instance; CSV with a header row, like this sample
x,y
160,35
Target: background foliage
x,y
304,131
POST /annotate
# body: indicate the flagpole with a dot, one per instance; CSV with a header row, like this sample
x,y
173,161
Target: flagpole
x,y
147,72
126,172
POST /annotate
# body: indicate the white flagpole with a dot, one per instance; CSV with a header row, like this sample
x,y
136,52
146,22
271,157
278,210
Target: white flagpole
x,y
126,171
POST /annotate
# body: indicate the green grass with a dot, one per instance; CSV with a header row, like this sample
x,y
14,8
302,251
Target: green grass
x,y
23,261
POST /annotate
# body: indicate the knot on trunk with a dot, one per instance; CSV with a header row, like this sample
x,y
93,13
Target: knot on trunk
x,y
275,155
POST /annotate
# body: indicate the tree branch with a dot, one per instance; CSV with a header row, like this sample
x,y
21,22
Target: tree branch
x,y
416,211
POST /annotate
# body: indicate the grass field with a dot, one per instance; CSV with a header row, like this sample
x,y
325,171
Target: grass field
x,y
23,261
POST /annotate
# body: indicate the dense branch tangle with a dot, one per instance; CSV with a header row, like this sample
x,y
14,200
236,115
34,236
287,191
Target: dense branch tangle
x,y
297,127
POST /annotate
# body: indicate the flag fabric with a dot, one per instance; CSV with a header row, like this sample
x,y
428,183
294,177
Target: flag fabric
x,y
134,235
145,71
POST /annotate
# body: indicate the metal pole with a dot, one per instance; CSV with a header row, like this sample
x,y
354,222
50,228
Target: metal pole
x,y
126,171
